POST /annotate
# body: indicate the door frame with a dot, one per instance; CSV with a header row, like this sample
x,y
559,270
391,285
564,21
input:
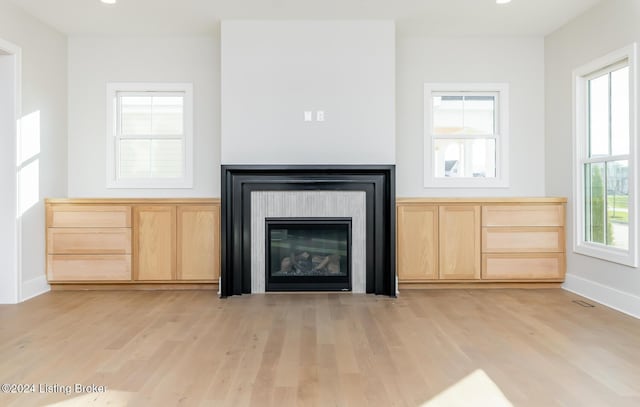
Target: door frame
x,y
10,249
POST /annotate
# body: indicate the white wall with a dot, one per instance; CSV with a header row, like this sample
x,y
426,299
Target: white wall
x,y
605,28
274,71
94,61
44,126
9,85
516,61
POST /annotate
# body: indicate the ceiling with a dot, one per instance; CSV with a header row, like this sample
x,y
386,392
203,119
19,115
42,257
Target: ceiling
x,y
196,17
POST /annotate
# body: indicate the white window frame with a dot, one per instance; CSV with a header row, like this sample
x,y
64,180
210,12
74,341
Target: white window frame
x,y
581,77
501,180
113,89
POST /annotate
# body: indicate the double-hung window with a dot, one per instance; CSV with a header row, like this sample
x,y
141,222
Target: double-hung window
x,y
605,163
466,135
149,135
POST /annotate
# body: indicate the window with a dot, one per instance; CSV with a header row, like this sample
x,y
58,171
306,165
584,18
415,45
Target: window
x,y
605,158
149,136
466,135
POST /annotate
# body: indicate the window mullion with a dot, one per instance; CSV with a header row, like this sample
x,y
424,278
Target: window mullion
x,y
606,204
153,137
606,158
465,136
610,120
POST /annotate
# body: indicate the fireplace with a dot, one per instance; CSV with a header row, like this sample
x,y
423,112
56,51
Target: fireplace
x,y
308,254
253,193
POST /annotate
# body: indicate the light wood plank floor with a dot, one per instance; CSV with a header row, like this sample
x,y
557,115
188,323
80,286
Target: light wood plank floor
x,y
471,347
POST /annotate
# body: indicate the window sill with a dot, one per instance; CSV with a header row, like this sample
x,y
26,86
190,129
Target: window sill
x,y
150,184
610,254
466,183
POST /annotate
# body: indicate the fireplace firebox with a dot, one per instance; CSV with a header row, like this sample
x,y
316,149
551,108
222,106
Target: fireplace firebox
x,y
308,254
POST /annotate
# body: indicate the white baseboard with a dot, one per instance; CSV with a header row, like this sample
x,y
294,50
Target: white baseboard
x,y
611,297
34,287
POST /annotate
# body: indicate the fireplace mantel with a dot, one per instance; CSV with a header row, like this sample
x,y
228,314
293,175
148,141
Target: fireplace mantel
x,y
377,181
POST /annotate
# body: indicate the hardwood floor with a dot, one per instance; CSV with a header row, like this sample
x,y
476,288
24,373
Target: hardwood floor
x,y
471,347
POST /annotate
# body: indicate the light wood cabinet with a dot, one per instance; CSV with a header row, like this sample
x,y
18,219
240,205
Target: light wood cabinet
x,y
84,216
61,267
133,241
516,266
523,242
198,242
417,242
521,239
523,215
88,242
485,240
459,254
154,247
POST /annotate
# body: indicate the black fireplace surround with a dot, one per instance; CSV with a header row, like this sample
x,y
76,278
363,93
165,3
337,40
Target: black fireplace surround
x,y
377,181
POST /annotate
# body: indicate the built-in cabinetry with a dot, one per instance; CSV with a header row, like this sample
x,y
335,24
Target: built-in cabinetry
x,y
177,241
480,240
133,241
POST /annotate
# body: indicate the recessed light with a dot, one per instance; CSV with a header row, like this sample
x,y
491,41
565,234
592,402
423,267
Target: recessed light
x,y
503,1
109,1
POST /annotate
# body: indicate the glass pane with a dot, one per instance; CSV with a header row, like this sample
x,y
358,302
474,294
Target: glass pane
x,y
135,115
166,158
448,115
595,228
135,159
620,111
479,115
599,116
305,250
151,159
167,115
618,204
465,158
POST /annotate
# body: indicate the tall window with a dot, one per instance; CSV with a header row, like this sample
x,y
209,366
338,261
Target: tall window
x,y
149,137
466,135
606,158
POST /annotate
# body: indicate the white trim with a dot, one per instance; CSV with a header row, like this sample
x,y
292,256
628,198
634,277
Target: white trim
x,y
580,77
611,297
34,287
502,140
112,89
15,280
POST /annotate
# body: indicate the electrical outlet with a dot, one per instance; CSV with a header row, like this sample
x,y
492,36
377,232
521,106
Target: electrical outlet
x,y
308,116
320,115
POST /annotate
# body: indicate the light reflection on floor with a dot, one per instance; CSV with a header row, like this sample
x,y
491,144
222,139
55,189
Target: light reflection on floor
x,y
476,389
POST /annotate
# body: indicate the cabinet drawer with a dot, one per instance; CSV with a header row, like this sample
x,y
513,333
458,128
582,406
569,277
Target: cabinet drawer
x,y
544,239
89,241
89,216
523,215
532,266
89,268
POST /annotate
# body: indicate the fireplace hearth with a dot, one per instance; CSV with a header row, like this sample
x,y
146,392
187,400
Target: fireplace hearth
x,y
364,191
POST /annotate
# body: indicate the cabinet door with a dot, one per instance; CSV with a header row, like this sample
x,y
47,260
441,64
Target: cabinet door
x,y
417,242
198,242
459,227
155,242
